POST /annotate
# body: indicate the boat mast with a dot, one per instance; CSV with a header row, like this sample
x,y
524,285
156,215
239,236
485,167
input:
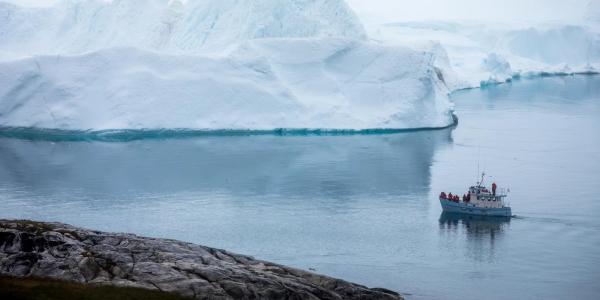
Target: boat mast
x,y
478,183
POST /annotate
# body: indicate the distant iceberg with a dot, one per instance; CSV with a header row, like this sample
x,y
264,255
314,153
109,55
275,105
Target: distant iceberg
x,y
490,53
211,65
592,11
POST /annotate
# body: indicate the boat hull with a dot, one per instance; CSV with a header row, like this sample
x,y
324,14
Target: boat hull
x,y
468,209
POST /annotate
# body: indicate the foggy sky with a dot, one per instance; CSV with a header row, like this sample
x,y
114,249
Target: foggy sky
x,y
380,11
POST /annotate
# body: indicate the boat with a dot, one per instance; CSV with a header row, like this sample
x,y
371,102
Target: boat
x,y
479,201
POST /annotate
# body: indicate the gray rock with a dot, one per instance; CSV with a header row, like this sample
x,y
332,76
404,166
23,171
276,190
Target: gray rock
x,y
64,252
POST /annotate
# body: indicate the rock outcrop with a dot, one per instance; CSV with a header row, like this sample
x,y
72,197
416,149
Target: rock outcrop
x,y
60,251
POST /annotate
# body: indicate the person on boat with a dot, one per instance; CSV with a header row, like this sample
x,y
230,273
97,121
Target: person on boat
x,y
494,186
443,195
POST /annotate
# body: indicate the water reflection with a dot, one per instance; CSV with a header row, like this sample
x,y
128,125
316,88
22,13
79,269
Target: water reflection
x,y
327,171
475,226
481,233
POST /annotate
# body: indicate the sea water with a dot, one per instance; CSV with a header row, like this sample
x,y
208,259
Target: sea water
x,y
360,207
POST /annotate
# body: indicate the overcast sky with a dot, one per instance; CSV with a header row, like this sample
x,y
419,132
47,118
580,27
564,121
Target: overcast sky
x,y
493,10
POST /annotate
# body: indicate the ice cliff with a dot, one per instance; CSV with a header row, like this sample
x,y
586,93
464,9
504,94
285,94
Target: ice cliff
x,y
210,64
263,84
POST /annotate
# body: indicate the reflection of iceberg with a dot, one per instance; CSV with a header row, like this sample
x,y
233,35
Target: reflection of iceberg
x,y
285,167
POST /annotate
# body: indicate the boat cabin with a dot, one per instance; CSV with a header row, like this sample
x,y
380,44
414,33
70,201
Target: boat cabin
x,y
480,196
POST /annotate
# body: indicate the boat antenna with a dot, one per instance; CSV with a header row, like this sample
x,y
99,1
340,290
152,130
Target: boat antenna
x,y
478,168
478,157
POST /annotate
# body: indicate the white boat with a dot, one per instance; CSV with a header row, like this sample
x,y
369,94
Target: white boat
x,y
479,201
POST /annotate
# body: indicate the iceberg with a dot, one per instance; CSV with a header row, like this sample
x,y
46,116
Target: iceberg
x,y
211,65
263,84
592,11
491,53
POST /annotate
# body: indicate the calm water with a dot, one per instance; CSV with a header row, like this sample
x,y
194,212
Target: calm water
x,y
359,207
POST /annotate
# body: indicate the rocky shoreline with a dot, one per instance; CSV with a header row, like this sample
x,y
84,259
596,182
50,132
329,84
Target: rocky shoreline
x,y
63,252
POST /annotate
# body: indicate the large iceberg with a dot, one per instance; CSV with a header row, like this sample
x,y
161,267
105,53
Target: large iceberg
x,y
210,65
263,84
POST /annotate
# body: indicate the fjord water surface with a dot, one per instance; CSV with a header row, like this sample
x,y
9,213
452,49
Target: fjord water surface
x,y
360,207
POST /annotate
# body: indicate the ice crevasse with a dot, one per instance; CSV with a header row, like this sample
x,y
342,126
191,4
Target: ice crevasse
x,y
211,64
